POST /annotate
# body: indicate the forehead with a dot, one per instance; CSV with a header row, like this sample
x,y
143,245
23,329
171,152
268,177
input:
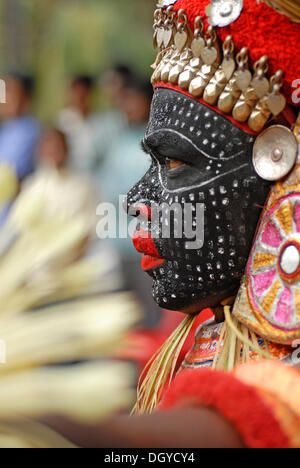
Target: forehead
x,y
212,134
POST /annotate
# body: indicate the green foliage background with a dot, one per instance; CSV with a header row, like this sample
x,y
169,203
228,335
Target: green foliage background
x,y
53,39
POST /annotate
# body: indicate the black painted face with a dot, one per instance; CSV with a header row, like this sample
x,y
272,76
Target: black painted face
x,y
216,170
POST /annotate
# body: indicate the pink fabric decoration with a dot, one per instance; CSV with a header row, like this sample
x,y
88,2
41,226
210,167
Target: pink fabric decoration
x,y
297,217
271,235
284,310
263,281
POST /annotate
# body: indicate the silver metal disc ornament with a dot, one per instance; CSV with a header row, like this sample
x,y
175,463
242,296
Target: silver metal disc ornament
x,y
224,12
274,153
164,3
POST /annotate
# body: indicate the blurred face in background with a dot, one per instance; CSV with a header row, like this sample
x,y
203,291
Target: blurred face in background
x,y
81,98
53,149
136,106
114,86
17,99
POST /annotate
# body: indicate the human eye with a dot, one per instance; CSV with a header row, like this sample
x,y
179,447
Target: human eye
x,y
173,163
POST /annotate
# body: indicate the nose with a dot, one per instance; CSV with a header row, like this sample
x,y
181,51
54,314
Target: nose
x,y
136,202
138,208
145,193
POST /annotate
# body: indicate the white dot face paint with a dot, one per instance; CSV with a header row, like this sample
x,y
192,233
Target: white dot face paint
x,y
217,193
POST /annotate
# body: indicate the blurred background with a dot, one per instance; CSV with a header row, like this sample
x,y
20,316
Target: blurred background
x,y
78,95
77,76
56,39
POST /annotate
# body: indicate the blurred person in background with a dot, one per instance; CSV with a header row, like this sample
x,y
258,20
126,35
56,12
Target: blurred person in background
x,y
79,122
60,183
112,181
62,189
114,83
68,195
19,132
52,151
108,170
112,122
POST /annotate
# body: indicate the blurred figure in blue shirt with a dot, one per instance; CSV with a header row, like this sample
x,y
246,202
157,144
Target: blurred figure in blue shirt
x,y
121,162
120,148
19,132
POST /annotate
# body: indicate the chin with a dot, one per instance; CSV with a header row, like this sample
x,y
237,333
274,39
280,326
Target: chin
x,y
183,295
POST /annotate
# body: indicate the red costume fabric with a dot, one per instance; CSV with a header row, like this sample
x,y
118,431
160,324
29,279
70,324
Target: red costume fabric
x,y
142,344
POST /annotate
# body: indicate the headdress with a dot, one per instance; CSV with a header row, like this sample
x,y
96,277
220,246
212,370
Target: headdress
x,y
238,57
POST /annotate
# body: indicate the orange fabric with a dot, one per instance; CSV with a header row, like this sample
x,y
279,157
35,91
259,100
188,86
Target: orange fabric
x,y
254,417
275,378
279,387
261,399
289,420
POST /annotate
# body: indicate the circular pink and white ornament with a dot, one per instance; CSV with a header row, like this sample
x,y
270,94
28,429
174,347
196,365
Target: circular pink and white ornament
x,y
274,266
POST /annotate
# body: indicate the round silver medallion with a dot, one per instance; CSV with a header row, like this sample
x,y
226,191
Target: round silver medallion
x,y
275,152
223,12
226,9
164,3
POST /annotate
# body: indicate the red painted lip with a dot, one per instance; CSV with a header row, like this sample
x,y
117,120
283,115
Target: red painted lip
x,y
148,263
144,243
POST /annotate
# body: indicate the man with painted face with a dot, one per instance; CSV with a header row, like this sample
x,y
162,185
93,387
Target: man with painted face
x,y
198,157
223,136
